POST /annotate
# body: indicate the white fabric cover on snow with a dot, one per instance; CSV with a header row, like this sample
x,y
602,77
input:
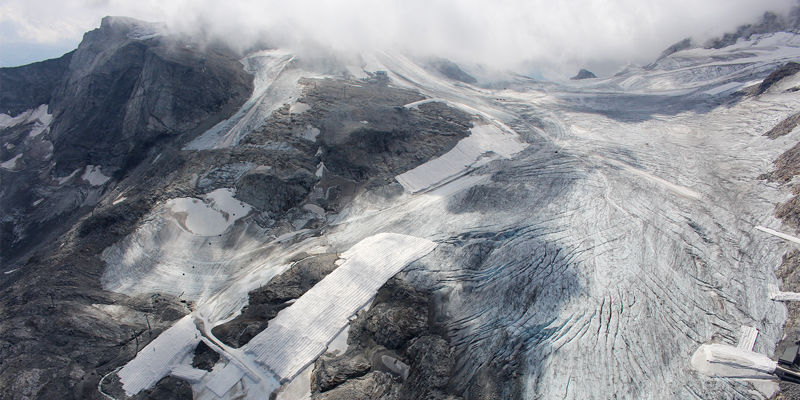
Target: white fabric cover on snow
x,y
303,331
159,358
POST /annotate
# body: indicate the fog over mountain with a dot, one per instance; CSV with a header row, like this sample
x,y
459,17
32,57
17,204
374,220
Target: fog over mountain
x,y
542,38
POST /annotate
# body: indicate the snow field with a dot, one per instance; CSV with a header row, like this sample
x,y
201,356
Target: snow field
x,y
162,257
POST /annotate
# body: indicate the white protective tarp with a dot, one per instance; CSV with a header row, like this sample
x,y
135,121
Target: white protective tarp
x,y
720,360
483,140
303,331
159,358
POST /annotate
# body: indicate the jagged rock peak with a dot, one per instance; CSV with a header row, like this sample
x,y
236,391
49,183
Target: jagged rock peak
x,y
452,70
583,74
684,44
768,23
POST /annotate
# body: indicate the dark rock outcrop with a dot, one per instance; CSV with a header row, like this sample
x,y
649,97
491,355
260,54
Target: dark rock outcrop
x,y
398,314
769,23
432,363
332,372
397,342
204,357
680,46
29,86
784,71
364,130
452,70
268,192
583,74
373,386
784,127
123,95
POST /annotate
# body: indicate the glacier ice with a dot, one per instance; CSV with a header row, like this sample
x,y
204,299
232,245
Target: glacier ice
x,y
591,261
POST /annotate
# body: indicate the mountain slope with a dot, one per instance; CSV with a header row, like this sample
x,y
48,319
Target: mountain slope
x,y
580,240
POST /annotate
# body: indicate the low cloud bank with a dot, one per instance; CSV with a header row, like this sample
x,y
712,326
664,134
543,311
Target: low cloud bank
x,y
553,39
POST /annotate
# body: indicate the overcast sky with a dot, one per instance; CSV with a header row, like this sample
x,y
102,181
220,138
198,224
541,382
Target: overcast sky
x,y
540,37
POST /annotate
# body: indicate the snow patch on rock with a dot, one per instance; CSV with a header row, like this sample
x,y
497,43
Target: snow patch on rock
x,y
38,115
11,165
299,108
94,175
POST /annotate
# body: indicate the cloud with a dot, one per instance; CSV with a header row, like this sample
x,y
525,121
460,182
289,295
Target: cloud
x,y
555,37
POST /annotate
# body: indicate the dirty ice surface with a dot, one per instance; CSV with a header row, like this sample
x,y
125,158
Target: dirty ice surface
x,y
594,262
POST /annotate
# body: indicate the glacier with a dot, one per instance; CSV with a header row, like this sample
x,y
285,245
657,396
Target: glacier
x,y
589,237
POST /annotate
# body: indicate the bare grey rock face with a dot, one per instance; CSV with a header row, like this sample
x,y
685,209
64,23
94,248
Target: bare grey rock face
x,y
332,372
29,86
122,95
373,386
583,74
113,102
